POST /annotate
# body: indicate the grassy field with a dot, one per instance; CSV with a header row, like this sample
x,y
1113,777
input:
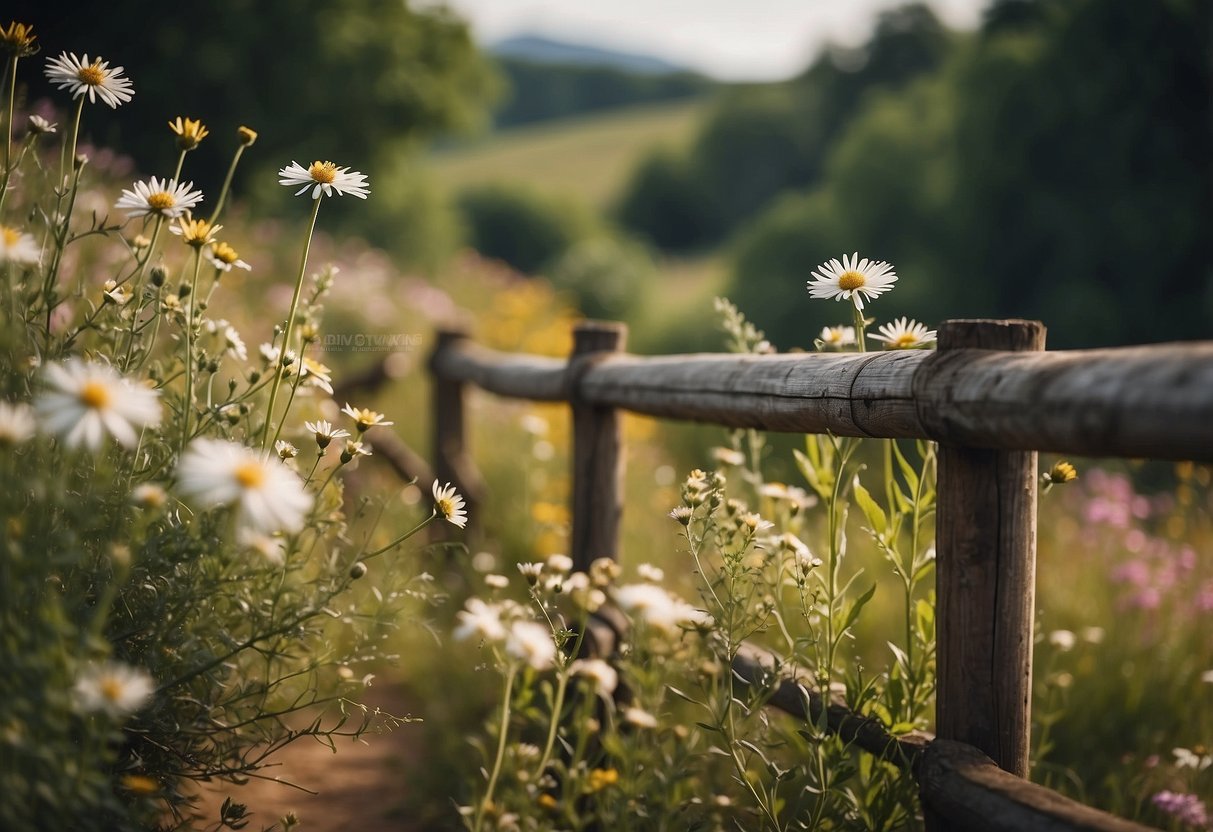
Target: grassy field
x,y
589,157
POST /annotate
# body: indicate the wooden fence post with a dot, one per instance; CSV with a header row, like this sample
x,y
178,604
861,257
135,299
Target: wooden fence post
x,y
451,461
986,575
597,499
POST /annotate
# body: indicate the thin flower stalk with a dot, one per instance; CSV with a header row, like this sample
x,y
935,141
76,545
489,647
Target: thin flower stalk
x,y
506,700
227,182
290,327
190,325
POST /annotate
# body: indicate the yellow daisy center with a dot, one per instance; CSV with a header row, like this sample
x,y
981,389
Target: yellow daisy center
x,y
224,253
851,280
91,75
250,474
94,394
110,688
446,508
323,172
161,200
10,236
905,339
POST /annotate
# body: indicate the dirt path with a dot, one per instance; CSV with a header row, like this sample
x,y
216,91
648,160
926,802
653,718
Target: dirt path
x,y
360,787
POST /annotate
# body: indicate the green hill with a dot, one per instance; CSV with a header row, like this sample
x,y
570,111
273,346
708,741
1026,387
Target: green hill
x,y
588,157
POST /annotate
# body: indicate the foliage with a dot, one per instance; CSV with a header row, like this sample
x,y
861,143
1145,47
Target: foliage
x,y
610,278
521,227
180,592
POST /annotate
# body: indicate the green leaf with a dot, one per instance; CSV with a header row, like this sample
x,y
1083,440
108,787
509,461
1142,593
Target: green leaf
x,y
857,607
907,470
872,511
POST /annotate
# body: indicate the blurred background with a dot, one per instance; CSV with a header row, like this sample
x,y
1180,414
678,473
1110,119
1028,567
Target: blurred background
x,y
1047,159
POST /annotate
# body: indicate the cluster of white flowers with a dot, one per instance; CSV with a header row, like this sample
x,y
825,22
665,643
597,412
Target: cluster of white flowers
x,y
506,624
657,608
858,280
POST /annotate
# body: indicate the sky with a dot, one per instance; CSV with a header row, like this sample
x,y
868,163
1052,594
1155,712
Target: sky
x,y
735,40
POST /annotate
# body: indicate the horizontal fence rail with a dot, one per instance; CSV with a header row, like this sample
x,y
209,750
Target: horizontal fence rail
x,y
990,396
1151,401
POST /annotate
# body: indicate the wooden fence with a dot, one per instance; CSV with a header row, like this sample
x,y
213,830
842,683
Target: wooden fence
x,y
990,396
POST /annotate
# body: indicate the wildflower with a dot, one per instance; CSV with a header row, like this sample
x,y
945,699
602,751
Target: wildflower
x,y
94,78
246,135
904,334
353,450
19,248
531,572
658,608
268,496
682,514
39,126
113,688
548,802
1063,640
149,495
532,643
16,424
1061,473
559,564
604,571
88,401
1186,808
113,293
285,450
601,778
365,419
223,257
270,547
194,233
649,572
324,432
317,374
139,784
449,505
1093,635
852,279
190,132
233,344
324,178
600,673
18,39
754,522
838,336
1186,758
639,718
728,456
583,593
162,197
495,581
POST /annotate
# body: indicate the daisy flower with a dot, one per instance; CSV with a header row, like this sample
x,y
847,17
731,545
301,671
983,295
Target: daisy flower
x,y
364,419
269,547
904,334
40,126
18,39
93,78
190,132
639,718
16,424
324,178
19,248
196,233
852,279
149,495
532,643
449,505
113,688
285,450
604,677
223,257
268,496
481,620
162,197
87,401
353,450
318,375
324,432
838,336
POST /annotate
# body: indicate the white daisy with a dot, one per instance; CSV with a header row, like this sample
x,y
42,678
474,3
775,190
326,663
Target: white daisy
x,y
532,643
113,688
639,718
324,432
269,547
324,178
40,126
162,197
481,620
650,603
449,505
728,456
223,257
285,450
852,279
604,677
268,496
649,572
233,344
16,247
149,495
318,375
838,336
904,334
559,564
364,419
87,401
16,424
94,78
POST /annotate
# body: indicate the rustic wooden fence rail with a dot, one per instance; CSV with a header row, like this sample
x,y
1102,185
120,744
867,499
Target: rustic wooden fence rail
x,y
990,396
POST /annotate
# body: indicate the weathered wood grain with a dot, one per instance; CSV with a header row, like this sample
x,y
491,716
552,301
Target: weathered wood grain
x,y
597,498
968,791
985,576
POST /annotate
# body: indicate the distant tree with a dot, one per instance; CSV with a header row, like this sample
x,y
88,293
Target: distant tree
x,y
525,229
669,205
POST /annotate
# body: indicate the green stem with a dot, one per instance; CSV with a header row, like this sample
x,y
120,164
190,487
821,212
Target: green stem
x,y
68,154
557,706
227,183
859,328
188,413
505,725
8,126
400,539
290,325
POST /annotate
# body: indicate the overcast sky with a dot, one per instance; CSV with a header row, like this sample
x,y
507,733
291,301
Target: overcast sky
x,y
727,39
